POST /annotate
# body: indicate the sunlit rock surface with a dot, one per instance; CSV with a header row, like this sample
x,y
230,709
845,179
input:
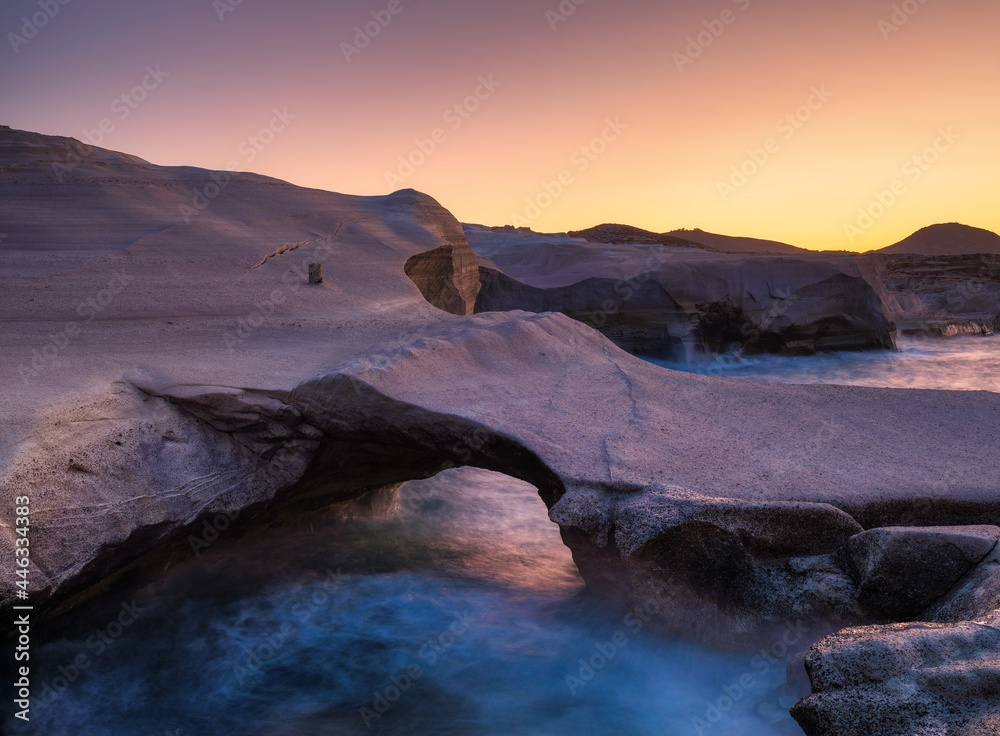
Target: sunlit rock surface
x,y
171,365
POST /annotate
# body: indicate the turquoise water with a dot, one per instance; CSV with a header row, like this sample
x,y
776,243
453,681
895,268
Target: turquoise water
x,y
460,613
960,363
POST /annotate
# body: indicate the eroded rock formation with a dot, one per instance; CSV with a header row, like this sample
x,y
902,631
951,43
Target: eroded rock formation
x,y
224,385
673,301
945,295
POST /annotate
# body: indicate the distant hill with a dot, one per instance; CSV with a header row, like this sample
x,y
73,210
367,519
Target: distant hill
x,y
950,239
730,244
619,234
699,239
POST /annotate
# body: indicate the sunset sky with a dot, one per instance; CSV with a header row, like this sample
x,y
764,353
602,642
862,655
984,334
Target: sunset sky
x,y
677,112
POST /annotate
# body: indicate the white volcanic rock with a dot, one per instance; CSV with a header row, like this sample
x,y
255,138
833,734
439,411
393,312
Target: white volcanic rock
x,y
208,380
109,263
938,675
658,299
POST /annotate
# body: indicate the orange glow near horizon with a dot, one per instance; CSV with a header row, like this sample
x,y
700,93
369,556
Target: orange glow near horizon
x,y
518,154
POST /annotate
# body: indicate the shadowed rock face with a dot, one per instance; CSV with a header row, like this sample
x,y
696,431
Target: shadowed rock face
x,y
944,295
222,384
735,568
667,301
441,278
938,675
446,276
900,571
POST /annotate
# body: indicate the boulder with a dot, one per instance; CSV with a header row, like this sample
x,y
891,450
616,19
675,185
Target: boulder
x,y
733,569
940,675
908,679
900,571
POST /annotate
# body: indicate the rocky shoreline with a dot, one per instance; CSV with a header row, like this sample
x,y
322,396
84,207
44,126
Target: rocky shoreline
x,y
220,383
677,301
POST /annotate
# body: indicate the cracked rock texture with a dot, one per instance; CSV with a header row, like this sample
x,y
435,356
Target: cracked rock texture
x,y
172,363
937,675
